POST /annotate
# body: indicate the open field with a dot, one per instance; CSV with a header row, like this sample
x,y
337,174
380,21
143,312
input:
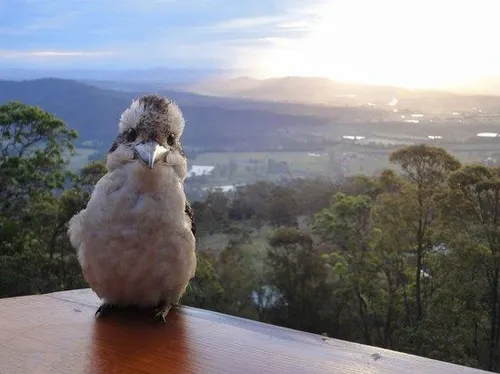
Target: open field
x,y
300,160
218,241
214,158
347,158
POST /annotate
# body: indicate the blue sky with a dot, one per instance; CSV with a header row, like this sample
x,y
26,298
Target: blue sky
x,y
411,43
133,33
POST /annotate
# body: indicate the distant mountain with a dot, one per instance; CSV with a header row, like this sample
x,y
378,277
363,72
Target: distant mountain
x,y
179,93
327,92
483,86
236,123
211,122
128,86
161,77
296,89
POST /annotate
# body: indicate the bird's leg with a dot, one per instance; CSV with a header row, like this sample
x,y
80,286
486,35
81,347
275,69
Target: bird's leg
x,y
104,309
162,310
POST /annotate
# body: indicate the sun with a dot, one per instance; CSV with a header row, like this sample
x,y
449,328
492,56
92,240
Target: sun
x,y
408,43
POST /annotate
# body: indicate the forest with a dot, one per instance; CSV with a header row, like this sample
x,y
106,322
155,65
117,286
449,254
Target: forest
x,y
406,260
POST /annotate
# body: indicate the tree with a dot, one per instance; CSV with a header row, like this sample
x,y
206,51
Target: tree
x,y
392,240
213,213
256,196
90,175
346,224
474,201
428,168
312,194
205,290
361,185
297,275
32,171
32,146
241,207
240,273
281,207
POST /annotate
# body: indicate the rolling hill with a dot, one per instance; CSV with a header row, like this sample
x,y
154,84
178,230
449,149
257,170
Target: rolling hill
x,y
222,123
324,91
167,76
341,113
211,122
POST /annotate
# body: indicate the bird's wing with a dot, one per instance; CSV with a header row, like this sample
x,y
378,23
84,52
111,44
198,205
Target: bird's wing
x,y
75,230
190,213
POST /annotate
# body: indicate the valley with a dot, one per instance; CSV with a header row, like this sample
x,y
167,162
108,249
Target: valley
x,y
249,137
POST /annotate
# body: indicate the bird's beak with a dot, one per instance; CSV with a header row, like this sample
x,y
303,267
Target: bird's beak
x,y
150,152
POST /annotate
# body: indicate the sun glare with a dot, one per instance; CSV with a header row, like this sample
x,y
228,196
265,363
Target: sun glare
x,y
410,43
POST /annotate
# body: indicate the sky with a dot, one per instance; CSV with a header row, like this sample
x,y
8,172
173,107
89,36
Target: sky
x,y
410,43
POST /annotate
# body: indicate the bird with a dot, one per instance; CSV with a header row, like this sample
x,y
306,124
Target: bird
x,y
135,238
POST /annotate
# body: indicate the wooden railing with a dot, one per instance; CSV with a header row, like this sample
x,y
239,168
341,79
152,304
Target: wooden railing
x,y
58,333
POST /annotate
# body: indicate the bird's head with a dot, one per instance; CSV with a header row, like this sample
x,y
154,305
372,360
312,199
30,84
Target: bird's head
x,y
149,132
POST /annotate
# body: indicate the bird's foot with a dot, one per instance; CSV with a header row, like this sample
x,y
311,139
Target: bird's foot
x,y
104,309
161,312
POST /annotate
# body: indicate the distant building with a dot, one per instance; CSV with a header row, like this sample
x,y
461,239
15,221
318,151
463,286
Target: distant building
x,y
198,170
487,135
353,137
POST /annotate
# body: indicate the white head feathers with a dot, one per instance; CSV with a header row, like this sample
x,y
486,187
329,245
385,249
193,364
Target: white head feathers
x,y
131,116
175,118
153,109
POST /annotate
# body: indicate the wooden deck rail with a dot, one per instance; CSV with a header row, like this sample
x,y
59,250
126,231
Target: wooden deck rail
x,y
57,333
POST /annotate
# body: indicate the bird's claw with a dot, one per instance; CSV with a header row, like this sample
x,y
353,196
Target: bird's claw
x,y
161,312
104,309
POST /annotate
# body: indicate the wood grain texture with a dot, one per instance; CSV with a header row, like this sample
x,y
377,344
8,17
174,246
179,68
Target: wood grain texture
x,y
58,333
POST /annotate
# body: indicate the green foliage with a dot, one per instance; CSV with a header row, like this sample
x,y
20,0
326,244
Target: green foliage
x,y
35,255
346,222
427,168
409,262
472,204
205,290
425,165
32,145
297,273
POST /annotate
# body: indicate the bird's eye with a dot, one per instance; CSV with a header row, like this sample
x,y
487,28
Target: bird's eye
x,y
171,139
131,135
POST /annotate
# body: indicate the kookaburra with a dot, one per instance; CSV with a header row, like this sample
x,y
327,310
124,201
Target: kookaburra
x,y
135,238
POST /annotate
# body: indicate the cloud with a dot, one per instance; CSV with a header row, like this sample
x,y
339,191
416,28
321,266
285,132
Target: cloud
x,y
244,23
40,24
52,54
303,25
296,19
151,32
